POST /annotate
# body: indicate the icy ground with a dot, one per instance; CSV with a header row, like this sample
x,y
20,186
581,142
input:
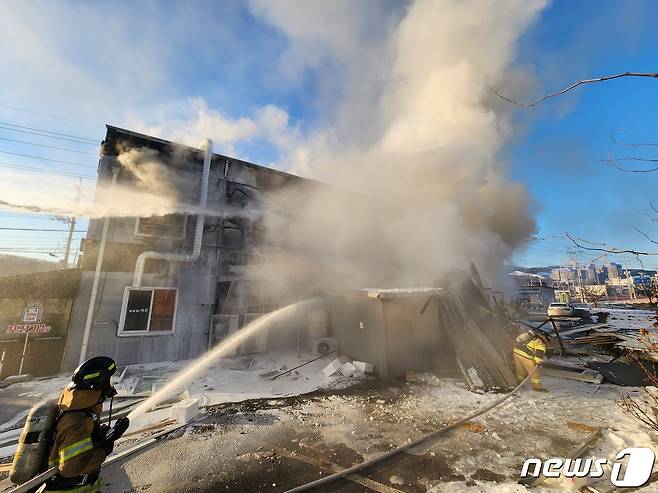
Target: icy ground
x,y
258,434
230,380
273,445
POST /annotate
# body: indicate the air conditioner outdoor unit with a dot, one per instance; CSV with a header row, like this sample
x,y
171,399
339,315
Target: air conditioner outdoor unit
x,y
323,345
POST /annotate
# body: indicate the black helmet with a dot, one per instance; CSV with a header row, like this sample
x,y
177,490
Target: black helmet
x,y
544,336
95,373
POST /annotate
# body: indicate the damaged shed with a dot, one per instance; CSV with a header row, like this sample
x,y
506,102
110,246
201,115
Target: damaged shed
x,y
416,329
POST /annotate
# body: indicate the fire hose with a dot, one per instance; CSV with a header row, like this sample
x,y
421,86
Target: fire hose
x,y
386,455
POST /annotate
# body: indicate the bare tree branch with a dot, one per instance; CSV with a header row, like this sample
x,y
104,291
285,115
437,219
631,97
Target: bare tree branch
x,y
609,249
611,161
645,235
631,158
648,214
573,86
627,144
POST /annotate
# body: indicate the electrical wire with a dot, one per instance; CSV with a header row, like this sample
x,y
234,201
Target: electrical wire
x,y
49,159
49,136
46,170
49,147
39,229
87,139
81,122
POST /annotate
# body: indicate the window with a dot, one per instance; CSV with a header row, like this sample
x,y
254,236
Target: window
x,y
232,234
172,226
148,311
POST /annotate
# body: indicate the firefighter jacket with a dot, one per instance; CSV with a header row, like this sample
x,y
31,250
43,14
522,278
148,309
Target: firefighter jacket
x,y
533,349
75,451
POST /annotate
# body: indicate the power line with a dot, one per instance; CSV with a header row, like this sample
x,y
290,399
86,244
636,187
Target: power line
x,y
39,229
33,250
49,159
45,170
51,116
49,147
76,141
91,141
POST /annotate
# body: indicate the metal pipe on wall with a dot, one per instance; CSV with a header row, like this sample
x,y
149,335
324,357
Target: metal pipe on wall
x,y
198,234
97,275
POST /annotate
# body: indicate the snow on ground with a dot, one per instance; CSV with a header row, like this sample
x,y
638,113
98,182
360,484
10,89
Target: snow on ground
x,y
359,423
230,380
627,319
529,425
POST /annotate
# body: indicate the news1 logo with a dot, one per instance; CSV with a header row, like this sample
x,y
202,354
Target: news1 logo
x,y
636,473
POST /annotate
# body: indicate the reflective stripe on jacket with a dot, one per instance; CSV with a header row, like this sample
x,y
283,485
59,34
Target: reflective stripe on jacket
x,y
533,350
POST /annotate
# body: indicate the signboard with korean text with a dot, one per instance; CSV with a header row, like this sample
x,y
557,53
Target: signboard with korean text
x,y
28,328
33,313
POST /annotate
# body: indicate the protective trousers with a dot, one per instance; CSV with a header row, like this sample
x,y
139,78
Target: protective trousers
x,y
525,366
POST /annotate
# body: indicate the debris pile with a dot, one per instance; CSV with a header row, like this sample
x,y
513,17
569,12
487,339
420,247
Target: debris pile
x,y
605,352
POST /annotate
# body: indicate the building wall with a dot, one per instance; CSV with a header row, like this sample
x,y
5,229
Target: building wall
x,y
234,186
55,292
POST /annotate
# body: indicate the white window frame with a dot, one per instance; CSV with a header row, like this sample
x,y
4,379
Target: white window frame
x,y
147,332
146,235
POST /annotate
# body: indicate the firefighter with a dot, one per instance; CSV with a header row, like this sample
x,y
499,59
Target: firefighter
x,y
529,351
80,443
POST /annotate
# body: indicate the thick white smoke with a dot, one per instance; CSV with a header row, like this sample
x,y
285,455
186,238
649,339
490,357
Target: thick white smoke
x,y
409,135
426,192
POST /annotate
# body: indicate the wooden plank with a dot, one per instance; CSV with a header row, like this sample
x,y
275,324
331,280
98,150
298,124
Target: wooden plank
x,y
323,464
5,467
474,427
572,375
35,481
582,427
151,427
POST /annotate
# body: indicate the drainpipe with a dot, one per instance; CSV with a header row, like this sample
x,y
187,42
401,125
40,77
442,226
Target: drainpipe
x,y
97,276
198,235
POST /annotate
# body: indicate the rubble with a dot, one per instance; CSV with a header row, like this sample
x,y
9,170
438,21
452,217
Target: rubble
x,y
332,367
185,411
348,369
364,367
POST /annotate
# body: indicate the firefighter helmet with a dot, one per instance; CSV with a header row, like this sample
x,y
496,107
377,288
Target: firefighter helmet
x,y
95,373
544,336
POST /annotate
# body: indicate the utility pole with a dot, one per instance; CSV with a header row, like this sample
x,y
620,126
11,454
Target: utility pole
x,y
582,294
71,221
629,279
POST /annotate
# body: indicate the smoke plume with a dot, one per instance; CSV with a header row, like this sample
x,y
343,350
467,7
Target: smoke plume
x,y
422,190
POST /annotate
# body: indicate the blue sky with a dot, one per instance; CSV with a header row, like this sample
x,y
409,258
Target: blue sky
x,y
567,137
268,80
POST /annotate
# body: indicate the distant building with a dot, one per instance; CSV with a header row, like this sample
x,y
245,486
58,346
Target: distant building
x,y
592,274
563,275
642,279
534,292
615,271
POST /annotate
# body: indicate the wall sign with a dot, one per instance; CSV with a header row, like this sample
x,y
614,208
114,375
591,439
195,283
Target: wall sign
x,y
28,328
33,313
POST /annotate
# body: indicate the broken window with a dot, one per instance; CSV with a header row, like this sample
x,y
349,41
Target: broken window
x,y
148,311
240,194
232,234
172,226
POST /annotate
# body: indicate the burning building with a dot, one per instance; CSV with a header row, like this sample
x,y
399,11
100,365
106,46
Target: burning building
x,y
159,286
